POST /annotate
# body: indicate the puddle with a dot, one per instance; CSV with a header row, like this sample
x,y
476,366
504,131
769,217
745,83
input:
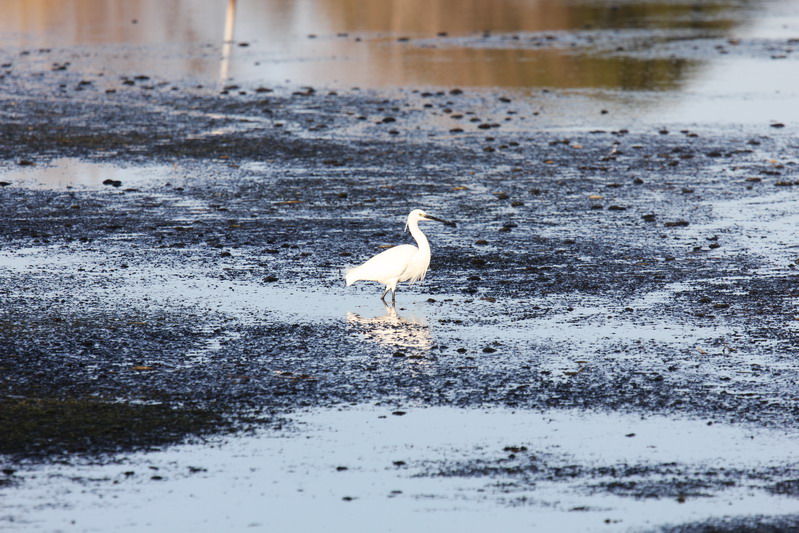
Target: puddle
x,y
408,331
73,173
763,227
759,91
431,468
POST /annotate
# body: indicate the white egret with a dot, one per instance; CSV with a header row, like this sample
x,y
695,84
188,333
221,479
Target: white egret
x,y
400,263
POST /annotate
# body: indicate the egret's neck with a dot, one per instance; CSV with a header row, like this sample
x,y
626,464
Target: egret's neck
x,y
417,234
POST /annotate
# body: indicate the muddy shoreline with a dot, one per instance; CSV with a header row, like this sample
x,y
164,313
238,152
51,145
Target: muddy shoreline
x,y
635,270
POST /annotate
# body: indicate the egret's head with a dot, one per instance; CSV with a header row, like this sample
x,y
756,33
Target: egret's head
x,y
418,215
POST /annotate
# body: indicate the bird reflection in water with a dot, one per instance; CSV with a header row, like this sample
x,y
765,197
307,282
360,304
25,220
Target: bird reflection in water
x,y
408,334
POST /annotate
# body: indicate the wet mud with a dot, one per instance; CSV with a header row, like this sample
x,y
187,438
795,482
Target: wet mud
x,y
638,269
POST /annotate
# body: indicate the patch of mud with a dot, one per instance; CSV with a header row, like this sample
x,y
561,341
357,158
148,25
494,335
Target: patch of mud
x,y
60,427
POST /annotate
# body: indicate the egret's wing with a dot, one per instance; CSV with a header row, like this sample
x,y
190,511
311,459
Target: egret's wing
x,y
386,265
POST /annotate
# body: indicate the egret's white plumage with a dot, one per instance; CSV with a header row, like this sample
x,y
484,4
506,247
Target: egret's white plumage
x,y
400,263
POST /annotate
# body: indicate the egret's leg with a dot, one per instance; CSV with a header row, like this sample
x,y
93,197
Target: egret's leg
x,y
394,295
384,294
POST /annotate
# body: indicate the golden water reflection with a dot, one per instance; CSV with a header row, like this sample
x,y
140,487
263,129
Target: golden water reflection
x,y
409,333
370,43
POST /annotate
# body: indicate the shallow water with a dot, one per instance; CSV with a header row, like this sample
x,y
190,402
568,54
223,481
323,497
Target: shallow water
x,y
72,173
696,59
420,468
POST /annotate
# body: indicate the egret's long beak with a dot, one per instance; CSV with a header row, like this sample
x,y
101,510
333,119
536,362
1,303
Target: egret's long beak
x,y
447,222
